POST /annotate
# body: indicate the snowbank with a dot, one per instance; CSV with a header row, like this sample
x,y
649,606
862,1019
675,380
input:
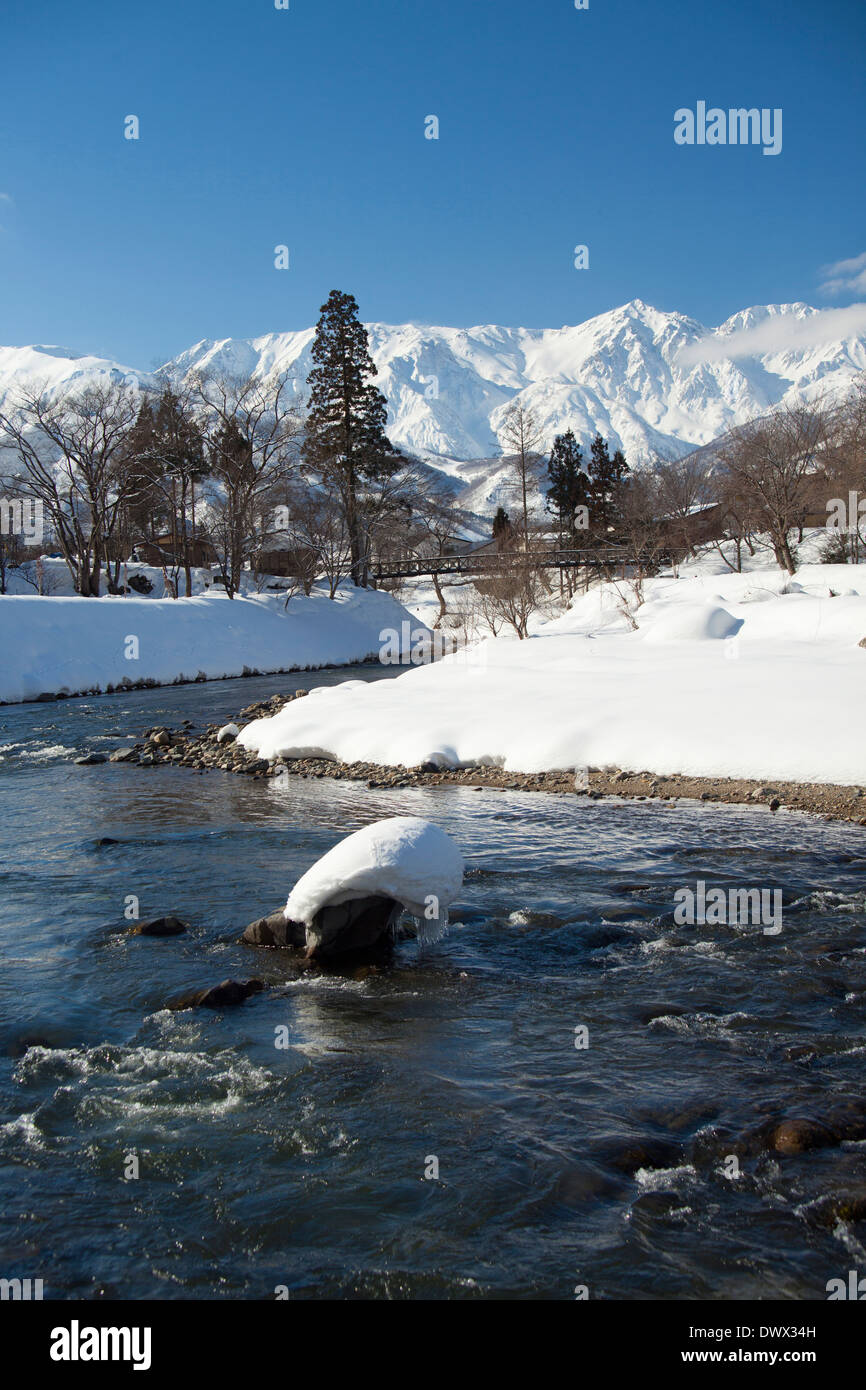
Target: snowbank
x,y
404,858
72,645
725,676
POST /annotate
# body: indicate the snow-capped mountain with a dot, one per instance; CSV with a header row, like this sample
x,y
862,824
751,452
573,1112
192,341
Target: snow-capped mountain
x,y
651,382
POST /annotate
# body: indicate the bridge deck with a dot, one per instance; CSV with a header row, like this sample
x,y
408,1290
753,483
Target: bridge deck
x,y
499,562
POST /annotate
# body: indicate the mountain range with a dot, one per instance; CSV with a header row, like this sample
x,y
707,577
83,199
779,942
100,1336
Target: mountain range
x,y
652,382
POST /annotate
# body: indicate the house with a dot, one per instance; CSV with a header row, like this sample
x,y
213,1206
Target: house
x,y
167,550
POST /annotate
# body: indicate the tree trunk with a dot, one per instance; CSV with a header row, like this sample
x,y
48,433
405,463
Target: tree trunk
x,y
441,597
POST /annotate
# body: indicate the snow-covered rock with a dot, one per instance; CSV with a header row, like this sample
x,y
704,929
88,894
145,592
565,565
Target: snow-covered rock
x,y
405,858
227,733
686,622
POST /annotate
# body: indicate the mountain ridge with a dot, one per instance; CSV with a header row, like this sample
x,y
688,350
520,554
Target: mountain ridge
x,y
653,382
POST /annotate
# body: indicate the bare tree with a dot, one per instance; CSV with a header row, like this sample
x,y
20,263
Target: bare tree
x,y
772,463
684,487
168,440
516,593
437,521
740,519
845,473
521,438
253,430
73,455
642,519
319,534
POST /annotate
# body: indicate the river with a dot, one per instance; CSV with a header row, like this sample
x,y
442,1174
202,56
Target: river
x,y
311,1168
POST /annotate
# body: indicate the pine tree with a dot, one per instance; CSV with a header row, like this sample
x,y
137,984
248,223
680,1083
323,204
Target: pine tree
x,y
607,476
569,487
345,439
503,531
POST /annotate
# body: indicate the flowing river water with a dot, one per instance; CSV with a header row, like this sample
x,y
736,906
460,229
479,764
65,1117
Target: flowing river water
x,y
308,1167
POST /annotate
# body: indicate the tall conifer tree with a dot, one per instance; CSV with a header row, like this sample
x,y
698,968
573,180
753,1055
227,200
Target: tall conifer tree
x,y
345,439
569,486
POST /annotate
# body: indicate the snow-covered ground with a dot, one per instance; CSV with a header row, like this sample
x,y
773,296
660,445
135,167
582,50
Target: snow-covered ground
x,y
57,582
713,674
72,645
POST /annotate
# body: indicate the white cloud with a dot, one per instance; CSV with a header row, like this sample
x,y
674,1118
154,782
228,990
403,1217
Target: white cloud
x,y
847,275
779,333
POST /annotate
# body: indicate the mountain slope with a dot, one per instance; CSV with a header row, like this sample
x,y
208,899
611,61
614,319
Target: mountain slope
x,y
652,382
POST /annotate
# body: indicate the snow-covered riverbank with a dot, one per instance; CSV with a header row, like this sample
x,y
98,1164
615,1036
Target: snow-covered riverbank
x,y
753,676
75,645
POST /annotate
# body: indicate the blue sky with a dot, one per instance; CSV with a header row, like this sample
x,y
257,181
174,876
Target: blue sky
x,y
305,127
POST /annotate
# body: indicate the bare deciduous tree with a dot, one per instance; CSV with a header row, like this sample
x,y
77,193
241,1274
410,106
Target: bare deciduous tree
x,y
773,462
319,535
253,430
73,456
521,438
684,487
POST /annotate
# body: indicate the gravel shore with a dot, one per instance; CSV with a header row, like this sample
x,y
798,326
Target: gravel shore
x,y
202,752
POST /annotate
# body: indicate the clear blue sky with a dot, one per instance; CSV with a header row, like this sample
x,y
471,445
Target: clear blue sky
x,y
306,127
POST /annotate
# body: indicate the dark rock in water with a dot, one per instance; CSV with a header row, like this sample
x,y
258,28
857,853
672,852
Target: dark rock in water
x,y
848,1120
355,925
799,1135
275,930
840,1206
626,1154
219,996
17,1047
161,926
90,758
361,924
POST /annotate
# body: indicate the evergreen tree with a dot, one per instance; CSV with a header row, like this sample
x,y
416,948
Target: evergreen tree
x,y
569,487
607,476
502,528
345,440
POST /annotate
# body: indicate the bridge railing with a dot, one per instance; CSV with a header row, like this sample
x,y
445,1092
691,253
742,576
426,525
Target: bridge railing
x,y
501,561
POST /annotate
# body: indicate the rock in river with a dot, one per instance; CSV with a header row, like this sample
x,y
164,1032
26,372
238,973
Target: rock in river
x,y
160,926
218,996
